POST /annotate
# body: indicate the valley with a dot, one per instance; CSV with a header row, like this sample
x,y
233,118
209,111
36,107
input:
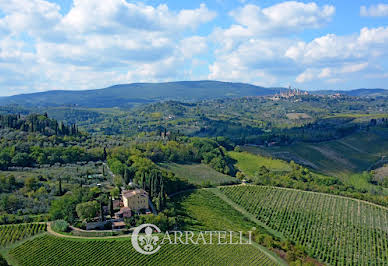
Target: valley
x,y
284,170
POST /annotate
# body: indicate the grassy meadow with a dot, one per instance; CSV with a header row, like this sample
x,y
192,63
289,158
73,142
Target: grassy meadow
x,y
250,163
199,174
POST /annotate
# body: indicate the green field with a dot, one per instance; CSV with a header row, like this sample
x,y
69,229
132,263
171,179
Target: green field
x,y
206,211
335,230
9,234
342,157
202,211
199,174
249,163
49,250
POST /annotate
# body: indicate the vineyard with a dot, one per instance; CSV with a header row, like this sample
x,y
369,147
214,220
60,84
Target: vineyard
x,y
120,252
9,234
335,230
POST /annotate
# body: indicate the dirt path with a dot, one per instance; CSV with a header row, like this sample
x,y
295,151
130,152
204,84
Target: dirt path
x,y
251,217
52,232
240,209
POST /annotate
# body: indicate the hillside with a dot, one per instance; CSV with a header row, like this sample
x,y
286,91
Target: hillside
x,y
356,93
353,154
125,95
326,226
129,94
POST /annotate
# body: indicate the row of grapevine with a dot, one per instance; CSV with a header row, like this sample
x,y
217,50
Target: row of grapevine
x,y
49,250
335,230
9,234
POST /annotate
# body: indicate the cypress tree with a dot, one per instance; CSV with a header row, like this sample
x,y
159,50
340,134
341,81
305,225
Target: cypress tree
x,y
126,176
60,186
111,207
101,210
105,154
143,181
163,196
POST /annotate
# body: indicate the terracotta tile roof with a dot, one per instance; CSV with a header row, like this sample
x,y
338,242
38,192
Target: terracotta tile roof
x,y
131,193
124,209
118,224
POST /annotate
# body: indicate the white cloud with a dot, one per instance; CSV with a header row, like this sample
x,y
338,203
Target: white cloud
x,y
374,35
330,74
98,43
113,16
113,38
308,75
193,45
379,10
283,18
351,68
254,47
29,15
334,49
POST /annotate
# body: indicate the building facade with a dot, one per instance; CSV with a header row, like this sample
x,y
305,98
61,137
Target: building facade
x,y
136,199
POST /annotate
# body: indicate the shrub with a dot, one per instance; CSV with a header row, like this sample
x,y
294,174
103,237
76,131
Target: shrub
x,y
60,226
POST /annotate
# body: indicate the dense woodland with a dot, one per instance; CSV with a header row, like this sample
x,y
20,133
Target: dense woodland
x,y
37,123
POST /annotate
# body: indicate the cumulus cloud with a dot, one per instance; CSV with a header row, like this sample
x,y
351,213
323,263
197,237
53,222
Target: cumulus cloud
x,y
283,18
335,49
254,47
133,41
107,17
331,74
331,56
380,10
31,16
246,50
99,43
193,45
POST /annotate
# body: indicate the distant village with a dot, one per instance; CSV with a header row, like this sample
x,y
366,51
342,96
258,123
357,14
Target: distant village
x,y
288,94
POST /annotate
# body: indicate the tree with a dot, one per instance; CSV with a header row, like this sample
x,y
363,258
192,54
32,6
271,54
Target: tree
x,y
87,210
63,208
22,159
102,217
105,154
143,181
31,183
115,192
126,176
111,210
60,187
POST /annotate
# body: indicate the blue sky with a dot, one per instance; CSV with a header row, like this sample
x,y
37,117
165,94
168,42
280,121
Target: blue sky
x,y
78,44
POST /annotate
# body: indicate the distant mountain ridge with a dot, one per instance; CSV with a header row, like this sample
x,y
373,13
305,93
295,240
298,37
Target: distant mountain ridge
x,y
136,93
128,94
357,92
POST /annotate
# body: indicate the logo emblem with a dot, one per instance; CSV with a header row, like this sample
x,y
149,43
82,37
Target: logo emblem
x,y
143,241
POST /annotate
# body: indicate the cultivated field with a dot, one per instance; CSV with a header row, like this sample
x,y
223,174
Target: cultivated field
x,y
335,230
352,154
49,250
205,211
9,234
199,174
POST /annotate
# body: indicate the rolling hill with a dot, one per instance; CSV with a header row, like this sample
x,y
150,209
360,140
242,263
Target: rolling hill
x,y
355,153
355,93
125,95
129,94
